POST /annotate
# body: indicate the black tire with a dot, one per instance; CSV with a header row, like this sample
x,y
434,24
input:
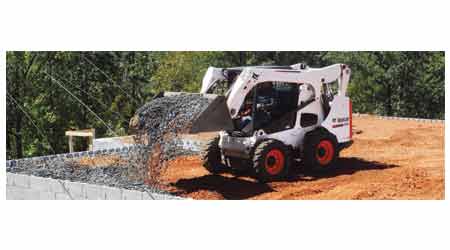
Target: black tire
x,y
212,159
272,161
320,151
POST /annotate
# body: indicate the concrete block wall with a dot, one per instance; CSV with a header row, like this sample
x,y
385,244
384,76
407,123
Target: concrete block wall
x,y
411,119
113,142
128,141
189,144
26,187
400,118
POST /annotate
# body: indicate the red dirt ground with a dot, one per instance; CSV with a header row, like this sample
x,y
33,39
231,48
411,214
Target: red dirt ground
x,y
390,159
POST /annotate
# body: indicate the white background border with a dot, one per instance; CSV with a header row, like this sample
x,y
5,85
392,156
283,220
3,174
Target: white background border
x,y
227,25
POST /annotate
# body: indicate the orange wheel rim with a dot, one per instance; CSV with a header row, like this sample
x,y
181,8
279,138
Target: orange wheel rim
x,y
324,152
274,162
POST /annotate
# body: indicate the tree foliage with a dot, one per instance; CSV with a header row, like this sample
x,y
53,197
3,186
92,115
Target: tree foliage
x,y
114,84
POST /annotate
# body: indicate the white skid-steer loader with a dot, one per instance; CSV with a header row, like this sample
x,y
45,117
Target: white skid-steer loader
x,y
269,117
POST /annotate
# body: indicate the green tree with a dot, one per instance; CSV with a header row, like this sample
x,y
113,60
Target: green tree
x,y
114,84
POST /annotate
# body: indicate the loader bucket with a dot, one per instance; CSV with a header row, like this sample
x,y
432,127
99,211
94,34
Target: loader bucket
x,y
215,117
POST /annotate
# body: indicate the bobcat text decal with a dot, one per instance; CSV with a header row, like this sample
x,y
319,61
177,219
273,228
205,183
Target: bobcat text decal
x,y
340,122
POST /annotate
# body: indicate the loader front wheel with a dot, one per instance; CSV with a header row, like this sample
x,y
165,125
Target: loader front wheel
x,y
320,152
212,159
271,160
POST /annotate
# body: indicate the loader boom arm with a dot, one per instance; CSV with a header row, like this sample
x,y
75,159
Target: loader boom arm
x,y
211,77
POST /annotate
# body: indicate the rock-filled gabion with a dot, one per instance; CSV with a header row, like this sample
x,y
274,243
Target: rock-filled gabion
x,y
66,167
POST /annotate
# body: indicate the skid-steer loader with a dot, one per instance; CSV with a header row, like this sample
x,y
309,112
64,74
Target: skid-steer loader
x,y
272,116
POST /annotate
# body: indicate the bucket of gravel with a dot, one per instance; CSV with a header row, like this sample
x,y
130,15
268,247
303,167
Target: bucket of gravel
x,y
160,121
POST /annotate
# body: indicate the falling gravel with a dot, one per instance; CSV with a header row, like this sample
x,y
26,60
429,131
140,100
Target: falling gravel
x,y
160,121
170,115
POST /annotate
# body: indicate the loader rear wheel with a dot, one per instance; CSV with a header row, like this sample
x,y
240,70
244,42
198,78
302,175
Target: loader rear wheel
x,y
320,151
271,160
212,159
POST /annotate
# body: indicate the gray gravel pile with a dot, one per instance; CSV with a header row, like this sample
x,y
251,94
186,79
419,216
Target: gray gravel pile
x,y
120,175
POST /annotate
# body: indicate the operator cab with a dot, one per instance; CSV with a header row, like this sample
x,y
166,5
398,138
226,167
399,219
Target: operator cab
x,y
270,106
